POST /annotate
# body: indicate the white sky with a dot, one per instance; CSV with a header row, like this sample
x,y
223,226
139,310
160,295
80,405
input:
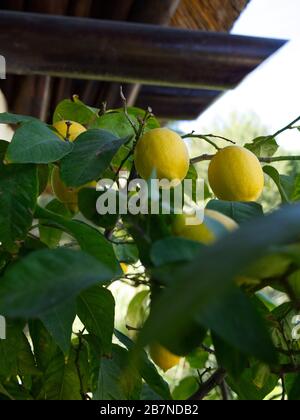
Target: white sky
x,y
273,90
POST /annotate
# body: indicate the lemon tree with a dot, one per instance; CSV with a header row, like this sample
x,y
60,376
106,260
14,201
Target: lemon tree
x,y
206,320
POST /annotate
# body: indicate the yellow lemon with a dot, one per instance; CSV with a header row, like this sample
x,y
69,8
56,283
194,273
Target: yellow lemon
x,y
162,151
64,194
214,225
163,357
235,174
124,268
69,130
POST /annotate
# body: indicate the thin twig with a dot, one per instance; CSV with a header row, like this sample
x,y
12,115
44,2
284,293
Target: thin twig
x,y
201,158
288,127
122,164
283,388
201,137
215,380
126,112
261,159
207,349
225,391
219,137
285,369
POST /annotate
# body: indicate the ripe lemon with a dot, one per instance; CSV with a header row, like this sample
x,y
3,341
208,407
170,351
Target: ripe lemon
x,y
214,226
162,151
163,357
69,130
235,174
124,267
67,195
64,194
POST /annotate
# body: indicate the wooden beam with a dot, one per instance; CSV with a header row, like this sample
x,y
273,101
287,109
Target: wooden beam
x,y
176,103
153,11
117,51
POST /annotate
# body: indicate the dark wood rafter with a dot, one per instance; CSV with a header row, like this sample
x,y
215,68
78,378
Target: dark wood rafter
x,y
37,94
156,12
117,51
176,103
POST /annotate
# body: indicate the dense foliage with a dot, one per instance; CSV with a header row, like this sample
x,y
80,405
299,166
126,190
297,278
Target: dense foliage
x,y
205,303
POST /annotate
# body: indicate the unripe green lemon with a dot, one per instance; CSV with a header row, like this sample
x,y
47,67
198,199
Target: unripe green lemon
x,y
163,357
162,151
214,226
235,174
69,130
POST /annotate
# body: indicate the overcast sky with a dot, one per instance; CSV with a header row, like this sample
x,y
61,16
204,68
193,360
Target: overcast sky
x,y
273,90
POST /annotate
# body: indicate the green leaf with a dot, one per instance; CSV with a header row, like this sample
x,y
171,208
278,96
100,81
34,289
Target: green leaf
x,y
265,146
186,388
61,381
59,322
3,149
246,388
116,123
173,249
90,240
229,358
209,277
147,394
138,310
91,156
87,203
197,359
293,385
239,211
294,281
34,142
45,348
7,118
43,176
9,349
49,235
44,279
6,393
118,378
277,178
25,359
152,122
295,196
18,191
272,265
74,111
234,319
147,369
96,310
127,253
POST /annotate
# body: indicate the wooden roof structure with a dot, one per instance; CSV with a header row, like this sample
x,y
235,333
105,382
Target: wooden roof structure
x,y
57,48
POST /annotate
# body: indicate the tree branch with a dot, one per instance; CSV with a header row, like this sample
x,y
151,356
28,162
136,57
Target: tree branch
x,y
287,368
261,159
215,380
